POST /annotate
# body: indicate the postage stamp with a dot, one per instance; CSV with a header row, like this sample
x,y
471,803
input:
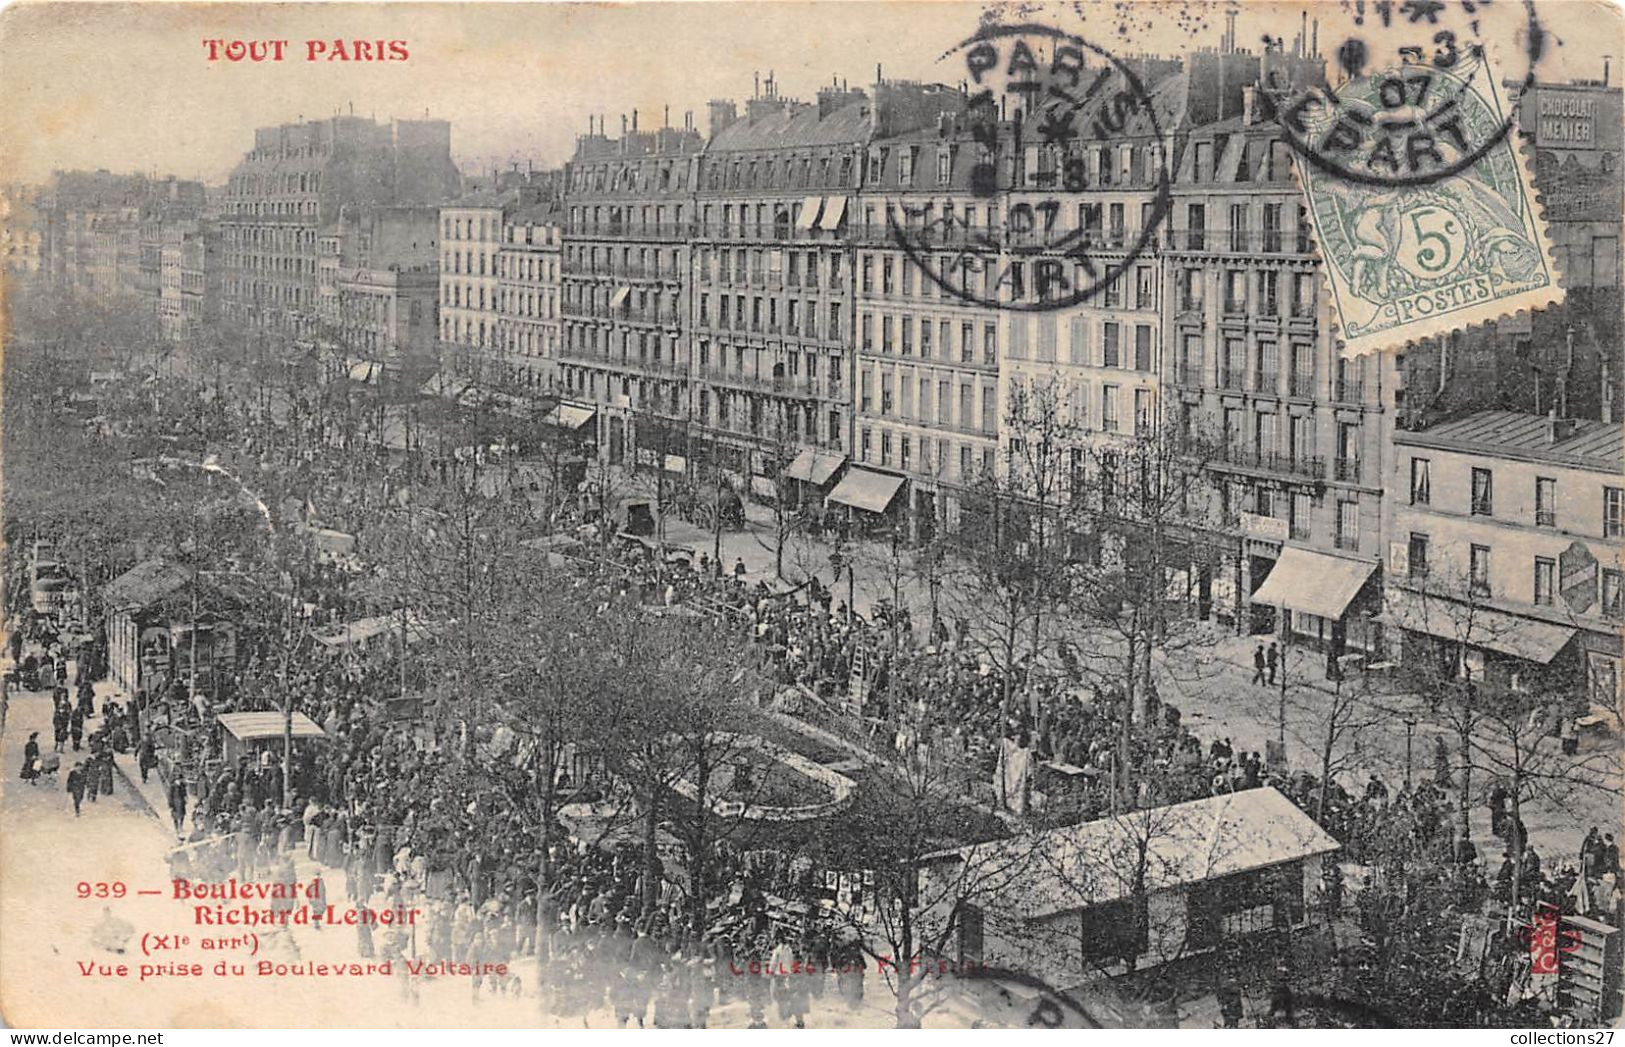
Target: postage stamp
x,y
1422,203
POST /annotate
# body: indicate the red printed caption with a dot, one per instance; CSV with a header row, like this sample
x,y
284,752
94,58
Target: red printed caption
x,y
312,50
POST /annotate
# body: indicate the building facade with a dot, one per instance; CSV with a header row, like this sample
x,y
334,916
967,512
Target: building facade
x,y
1507,552
292,185
189,278
471,232
528,292
629,213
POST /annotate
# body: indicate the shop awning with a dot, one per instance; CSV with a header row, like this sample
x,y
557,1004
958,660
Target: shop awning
x,y
763,487
1528,638
814,467
363,371
861,489
250,727
834,211
569,416
616,299
1313,583
676,463
809,213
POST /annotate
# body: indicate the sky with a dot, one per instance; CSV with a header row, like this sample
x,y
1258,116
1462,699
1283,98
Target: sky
x,y
129,86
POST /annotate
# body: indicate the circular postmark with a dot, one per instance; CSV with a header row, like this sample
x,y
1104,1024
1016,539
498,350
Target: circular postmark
x,y
1070,107
1417,104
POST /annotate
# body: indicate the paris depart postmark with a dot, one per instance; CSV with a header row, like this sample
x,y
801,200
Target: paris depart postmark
x,y
1420,196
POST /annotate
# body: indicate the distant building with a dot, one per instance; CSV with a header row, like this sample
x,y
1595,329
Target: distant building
x,y
1507,552
528,324
188,278
378,277
292,186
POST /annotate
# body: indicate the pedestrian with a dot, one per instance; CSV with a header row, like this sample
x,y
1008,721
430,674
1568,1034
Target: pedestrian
x,y
1441,764
31,758
177,802
76,787
1272,659
1258,664
61,720
76,726
146,757
739,568
1229,995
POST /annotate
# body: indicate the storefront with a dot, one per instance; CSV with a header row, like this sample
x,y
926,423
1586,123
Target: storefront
x,y
1328,602
870,496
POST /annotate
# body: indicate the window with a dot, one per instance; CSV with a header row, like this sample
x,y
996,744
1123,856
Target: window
x,y
1545,501
1142,347
1142,412
1110,347
1269,284
1478,570
990,343
1108,408
1612,584
1235,291
1545,580
1421,481
1348,525
1613,512
1483,493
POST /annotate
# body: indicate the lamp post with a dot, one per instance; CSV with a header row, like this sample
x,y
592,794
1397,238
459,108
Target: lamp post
x,y
1410,727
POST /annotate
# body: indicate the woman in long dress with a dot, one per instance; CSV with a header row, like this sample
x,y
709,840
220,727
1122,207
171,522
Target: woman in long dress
x,y
30,758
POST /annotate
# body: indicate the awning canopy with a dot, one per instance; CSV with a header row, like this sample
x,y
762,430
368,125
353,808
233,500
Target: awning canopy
x,y
616,299
1449,619
1313,583
676,463
834,211
814,467
861,489
809,213
363,371
248,727
569,416
362,630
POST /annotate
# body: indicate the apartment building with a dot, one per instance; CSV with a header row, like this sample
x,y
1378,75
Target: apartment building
x,y
629,216
189,278
529,282
772,305
1507,553
291,186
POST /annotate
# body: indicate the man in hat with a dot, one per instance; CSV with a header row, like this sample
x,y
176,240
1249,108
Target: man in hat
x,y
76,787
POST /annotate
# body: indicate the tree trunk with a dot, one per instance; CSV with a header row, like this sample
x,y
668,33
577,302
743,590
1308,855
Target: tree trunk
x,y
1464,810
651,852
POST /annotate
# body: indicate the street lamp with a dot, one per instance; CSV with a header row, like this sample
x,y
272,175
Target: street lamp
x,y
1410,726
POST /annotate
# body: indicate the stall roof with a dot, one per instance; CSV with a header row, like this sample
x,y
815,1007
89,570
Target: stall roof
x,y
569,416
815,467
1095,863
1313,583
869,491
248,727
145,584
1528,638
363,629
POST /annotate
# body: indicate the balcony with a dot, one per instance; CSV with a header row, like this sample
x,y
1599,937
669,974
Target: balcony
x,y
1345,391
1308,466
1267,382
1303,384
1236,241
1233,378
1188,373
1545,517
783,385
1346,470
630,230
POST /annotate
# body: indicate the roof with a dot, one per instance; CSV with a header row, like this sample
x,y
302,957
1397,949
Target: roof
x,y
252,726
866,490
795,126
363,629
145,584
1512,434
1187,843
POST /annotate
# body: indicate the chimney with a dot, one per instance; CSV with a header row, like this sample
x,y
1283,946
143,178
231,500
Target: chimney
x,y
756,85
623,125
1605,69
1249,105
634,120
1558,429
1314,39
666,120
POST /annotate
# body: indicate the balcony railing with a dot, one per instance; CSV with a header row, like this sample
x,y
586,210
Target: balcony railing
x,y
1273,462
1188,373
1303,384
631,230
1266,382
1346,392
1545,517
1234,241
1233,378
1347,470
